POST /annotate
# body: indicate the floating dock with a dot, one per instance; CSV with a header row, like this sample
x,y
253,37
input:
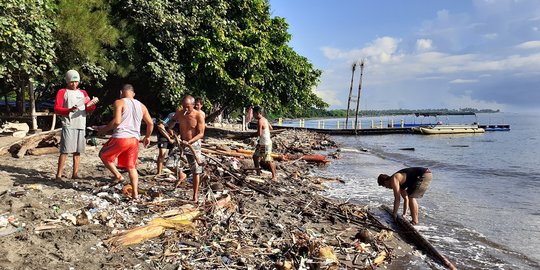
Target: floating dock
x,y
504,127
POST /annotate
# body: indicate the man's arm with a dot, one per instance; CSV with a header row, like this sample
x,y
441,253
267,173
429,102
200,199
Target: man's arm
x,y
161,129
117,117
175,118
394,182
59,104
90,108
149,125
199,129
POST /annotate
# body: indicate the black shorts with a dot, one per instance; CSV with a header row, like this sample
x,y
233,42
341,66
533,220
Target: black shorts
x,y
165,144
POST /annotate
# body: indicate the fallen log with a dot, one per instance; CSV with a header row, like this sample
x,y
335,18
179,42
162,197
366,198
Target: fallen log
x,y
420,241
42,151
226,153
278,157
32,143
316,158
34,138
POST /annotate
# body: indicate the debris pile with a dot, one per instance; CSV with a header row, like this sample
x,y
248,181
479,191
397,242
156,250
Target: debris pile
x,y
242,221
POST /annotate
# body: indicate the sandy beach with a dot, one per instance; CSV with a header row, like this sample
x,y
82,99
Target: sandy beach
x,y
284,224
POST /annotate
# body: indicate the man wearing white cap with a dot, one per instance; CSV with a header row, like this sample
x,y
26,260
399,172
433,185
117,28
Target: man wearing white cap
x,y
72,104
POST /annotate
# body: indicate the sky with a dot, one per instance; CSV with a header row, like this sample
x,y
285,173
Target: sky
x,y
421,54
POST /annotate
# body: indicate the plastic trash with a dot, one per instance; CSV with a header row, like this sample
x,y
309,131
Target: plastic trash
x,y
3,221
33,187
9,230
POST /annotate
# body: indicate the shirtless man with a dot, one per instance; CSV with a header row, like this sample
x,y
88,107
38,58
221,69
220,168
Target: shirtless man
x,y
410,183
198,106
263,150
191,124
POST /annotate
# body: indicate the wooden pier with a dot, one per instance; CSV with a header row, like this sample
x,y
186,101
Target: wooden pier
x,y
362,131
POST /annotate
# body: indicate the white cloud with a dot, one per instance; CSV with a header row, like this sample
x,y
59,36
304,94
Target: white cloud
x,y
383,49
423,44
491,36
476,52
330,96
458,81
529,45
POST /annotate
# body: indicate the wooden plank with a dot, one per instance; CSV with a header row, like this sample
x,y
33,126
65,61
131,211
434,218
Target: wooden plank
x,y
420,241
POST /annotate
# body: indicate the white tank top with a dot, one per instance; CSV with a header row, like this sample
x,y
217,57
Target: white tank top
x,y
265,137
131,120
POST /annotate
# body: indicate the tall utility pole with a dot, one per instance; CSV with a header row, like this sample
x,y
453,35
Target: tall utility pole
x,y
359,89
350,94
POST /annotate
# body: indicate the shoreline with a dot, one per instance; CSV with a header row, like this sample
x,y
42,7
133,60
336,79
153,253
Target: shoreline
x,y
293,225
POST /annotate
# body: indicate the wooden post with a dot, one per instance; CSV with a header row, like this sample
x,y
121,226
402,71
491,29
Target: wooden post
x,y
372,123
392,126
350,93
402,123
53,121
244,124
337,124
359,90
380,123
323,124
319,124
32,100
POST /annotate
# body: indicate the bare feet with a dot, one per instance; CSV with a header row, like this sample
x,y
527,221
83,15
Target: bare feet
x,y
75,176
182,178
117,180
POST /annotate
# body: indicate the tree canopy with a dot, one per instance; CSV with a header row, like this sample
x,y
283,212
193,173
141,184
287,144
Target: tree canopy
x,y
26,44
232,52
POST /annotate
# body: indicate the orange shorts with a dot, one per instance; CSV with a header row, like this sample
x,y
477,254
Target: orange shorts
x,y
126,150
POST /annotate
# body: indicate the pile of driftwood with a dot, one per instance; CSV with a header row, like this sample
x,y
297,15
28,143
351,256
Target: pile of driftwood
x,y
251,221
37,144
243,220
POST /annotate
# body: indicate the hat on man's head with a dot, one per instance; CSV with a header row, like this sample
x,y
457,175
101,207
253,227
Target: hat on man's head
x,y
72,76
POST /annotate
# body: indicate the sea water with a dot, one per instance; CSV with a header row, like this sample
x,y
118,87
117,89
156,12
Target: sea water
x,y
482,209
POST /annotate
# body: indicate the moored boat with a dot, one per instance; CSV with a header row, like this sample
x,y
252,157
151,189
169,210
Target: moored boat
x,y
450,129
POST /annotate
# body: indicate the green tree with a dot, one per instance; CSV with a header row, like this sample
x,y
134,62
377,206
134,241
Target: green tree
x,y
231,52
26,45
85,37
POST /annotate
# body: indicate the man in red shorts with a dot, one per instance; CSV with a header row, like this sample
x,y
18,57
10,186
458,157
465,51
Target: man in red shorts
x,y
124,142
